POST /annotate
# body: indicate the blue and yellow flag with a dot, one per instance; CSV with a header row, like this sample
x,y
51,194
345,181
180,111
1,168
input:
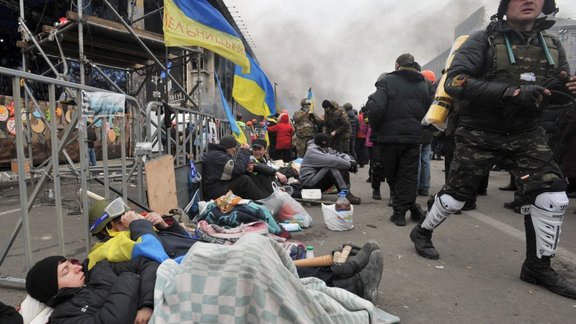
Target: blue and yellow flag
x,y
236,129
197,23
254,91
311,98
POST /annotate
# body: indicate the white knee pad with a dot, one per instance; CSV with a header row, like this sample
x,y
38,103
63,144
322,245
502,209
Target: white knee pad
x,y
547,215
444,206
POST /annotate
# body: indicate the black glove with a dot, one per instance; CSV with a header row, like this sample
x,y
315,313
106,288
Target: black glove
x,y
529,98
353,167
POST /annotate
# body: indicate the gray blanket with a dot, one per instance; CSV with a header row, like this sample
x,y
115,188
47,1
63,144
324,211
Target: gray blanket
x,y
252,281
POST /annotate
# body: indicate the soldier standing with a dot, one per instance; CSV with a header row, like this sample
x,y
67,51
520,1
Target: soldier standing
x,y
505,73
304,126
337,126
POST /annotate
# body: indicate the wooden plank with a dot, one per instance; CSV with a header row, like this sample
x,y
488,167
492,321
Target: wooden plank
x,y
161,184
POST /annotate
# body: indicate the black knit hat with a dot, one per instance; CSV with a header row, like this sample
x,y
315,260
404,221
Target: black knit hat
x,y
548,9
228,141
322,140
42,279
327,104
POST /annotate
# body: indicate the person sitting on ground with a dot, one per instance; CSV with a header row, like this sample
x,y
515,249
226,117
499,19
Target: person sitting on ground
x,y
323,167
261,171
225,169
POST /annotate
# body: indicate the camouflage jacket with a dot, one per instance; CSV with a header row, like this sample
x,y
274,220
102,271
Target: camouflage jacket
x,y
337,120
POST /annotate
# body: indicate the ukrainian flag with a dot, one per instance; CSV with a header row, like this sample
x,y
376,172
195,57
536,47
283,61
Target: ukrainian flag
x,y
236,129
197,23
254,91
311,98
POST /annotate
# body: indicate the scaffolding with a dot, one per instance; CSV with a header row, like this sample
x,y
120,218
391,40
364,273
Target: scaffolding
x,y
144,130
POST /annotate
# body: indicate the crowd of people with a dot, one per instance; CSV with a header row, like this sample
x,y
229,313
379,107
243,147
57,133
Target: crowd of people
x,y
496,121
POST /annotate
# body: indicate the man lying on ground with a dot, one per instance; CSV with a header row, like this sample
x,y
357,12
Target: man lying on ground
x,y
121,292
126,235
324,167
108,293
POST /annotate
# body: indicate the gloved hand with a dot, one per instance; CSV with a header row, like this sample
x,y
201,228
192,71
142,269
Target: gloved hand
x,y
530,96
525,97
353,167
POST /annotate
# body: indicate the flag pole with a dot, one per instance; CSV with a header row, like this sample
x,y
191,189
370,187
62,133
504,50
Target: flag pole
x,y
275,96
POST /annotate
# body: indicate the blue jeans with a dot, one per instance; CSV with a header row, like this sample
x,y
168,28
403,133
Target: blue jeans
x,y
92,156
424,168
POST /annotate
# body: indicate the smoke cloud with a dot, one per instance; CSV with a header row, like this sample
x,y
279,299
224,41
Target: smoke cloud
x,y
339,47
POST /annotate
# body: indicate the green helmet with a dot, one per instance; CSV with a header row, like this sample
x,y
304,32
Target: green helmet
x,y
103,211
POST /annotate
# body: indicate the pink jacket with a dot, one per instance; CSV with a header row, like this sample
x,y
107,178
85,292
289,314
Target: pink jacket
x,y
368,142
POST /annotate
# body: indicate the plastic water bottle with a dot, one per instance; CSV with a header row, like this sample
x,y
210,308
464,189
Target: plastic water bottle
x,y
309,252
342,203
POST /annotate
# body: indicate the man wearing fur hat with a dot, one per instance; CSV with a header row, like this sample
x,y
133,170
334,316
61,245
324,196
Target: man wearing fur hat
x,y
507,74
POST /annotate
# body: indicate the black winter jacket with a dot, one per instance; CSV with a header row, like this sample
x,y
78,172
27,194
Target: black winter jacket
x,y
113,293
176,240
220,168
396,109
471,77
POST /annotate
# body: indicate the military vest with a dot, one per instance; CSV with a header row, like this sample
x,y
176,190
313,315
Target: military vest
x,y
524,63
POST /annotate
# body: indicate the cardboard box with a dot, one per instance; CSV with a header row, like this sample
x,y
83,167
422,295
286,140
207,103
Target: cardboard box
x,y
14,166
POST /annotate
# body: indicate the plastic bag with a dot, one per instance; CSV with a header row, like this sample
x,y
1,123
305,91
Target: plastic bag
x,y
194,176
286,208
337,220
273,202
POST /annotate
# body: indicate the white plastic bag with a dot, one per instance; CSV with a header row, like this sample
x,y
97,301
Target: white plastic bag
x,y
337,220
285,208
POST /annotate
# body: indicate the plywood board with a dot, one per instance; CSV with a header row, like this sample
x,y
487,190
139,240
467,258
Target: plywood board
x,y
161,184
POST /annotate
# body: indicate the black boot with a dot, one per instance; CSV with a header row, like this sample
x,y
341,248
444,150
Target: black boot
x,y
356,261
417,213
398,218
541,273
376,194
422,239
352,265
538,270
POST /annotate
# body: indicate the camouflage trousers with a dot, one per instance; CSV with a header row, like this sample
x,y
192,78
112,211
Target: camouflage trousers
x,y
526,155
300,143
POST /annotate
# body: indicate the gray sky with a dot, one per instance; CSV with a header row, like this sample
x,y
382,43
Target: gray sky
x,y
339,47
